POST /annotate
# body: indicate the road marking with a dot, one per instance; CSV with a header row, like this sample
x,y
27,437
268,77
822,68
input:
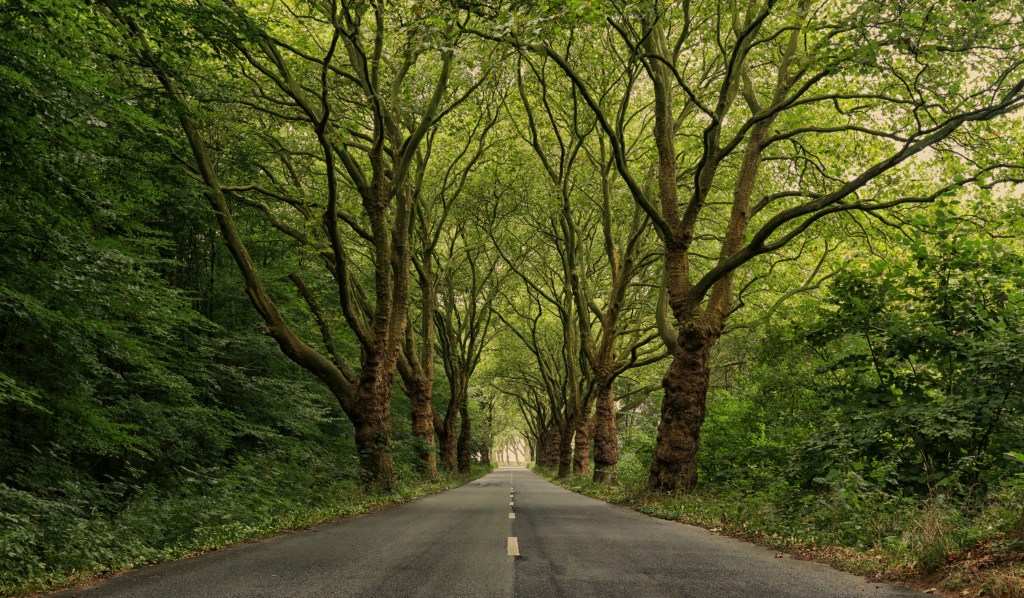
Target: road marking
x,y
511,503
511,515
513,546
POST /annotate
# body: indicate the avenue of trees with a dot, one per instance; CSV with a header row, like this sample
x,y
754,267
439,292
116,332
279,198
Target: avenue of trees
x,y
258,249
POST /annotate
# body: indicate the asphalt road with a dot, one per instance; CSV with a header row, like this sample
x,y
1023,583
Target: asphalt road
x,y
464,542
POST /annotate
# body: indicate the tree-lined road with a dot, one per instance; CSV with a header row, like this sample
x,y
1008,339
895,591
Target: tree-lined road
x,y
458,544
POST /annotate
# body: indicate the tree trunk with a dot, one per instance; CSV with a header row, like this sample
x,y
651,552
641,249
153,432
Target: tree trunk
x,y
465,437
448,437
581,446
682,410
485,455
565,452
423,427
606,434
373,436
547,448
551,449
484,448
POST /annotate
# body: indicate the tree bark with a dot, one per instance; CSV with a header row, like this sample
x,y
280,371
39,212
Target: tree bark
x,y
487,428
417,370
606,434
373,434
446,433
581,446
423,427
551,450
564,452
485,454
547,448
674,466
465,437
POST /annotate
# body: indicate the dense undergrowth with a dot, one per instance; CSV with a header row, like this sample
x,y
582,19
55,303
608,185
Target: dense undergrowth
x,y
48,543
952,544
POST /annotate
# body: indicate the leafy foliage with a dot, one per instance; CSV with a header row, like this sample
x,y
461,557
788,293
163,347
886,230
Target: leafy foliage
x,y
925,361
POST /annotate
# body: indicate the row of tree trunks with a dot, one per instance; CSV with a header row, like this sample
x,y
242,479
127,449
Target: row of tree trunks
x,y
455,436
565,453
